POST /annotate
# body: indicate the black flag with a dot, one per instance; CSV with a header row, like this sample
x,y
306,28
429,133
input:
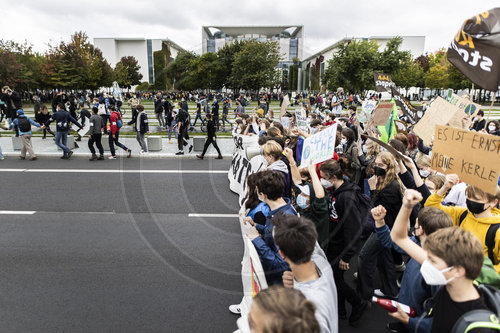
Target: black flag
x,y
475,51
383,82
413,113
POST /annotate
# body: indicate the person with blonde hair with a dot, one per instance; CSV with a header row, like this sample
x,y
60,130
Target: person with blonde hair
x,y
386,190
273,154
277,310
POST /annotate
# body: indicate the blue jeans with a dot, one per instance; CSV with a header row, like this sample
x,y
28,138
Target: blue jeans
x,y
172,128
198,116
62,136
1,155
112,141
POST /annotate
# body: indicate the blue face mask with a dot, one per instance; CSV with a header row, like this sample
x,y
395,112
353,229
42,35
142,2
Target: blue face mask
x,y
302,202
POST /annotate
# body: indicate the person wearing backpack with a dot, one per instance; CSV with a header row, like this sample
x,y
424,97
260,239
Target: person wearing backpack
x,y
115,124
62,119
481,217
348,213
23,125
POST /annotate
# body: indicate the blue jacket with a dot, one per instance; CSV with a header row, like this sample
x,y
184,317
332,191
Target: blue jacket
x,y
412,292
16,123
273,264
62,118
261,207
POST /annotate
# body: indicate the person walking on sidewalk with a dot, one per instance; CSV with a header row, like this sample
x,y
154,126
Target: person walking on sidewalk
x,y
95,134
62,118
211,138
42,116
182,131
171,123
116,123
142,128
23,125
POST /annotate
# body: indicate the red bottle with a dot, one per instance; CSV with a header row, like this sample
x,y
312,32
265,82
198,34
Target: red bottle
x,y
391,306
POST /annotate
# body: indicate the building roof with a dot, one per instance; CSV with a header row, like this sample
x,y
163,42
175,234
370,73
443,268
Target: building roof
x,y
268,31
131,39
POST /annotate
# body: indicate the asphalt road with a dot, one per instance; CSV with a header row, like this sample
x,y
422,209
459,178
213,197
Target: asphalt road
x,y
118,252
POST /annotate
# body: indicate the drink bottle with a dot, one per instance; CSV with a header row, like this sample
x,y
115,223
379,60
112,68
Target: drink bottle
x,y
391,306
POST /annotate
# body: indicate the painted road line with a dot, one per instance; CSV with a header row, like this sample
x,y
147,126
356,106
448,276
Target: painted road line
x,y
212,215
115,171
17,212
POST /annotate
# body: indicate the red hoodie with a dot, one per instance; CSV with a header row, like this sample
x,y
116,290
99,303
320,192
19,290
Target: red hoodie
x,y
113,120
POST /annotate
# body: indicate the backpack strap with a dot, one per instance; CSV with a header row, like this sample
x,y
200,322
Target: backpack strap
x,y
490,240
462,217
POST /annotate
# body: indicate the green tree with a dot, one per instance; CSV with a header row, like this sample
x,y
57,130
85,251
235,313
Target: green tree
x,y
437,77
204,71
225,63
391,60
161,59
456,80
130,65
178,71
352,66
254,66
409,75
294,74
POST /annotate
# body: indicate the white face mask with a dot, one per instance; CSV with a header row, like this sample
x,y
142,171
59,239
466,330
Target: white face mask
x,y
492,128
424,173
325,183
432,275
365,149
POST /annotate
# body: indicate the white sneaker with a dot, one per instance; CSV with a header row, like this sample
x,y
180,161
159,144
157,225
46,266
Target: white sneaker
x,y
111,157
141,152
235,308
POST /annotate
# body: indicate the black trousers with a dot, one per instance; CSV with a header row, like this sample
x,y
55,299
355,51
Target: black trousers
x,y
208,142
96,138
181,138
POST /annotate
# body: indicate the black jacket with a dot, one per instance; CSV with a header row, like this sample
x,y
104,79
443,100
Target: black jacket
x,y
42,118
346,223
158,106
211,129
62,118
391,198
143,122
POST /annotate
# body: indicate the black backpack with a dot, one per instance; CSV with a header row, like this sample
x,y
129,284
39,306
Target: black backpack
x,y
24,124
490,236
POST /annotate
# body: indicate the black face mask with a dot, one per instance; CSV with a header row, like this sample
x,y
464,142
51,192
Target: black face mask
x,y
475,207
379,171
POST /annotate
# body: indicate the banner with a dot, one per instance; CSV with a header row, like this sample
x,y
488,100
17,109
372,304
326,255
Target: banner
x,y
383,82
320,146
413,113
475,51
473,156
252,273
242,166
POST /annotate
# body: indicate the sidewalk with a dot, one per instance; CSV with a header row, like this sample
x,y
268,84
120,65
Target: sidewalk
x,y
48,148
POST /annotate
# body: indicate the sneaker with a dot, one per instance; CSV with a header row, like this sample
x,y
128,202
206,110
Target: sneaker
x,y
70,154
64,157
179,153
34,158
2,158
397,327
190,148
357,312
170,141
93,158
111,157
22,158
100,158
400,268
129,153
219,157
235,309
200,156
141,152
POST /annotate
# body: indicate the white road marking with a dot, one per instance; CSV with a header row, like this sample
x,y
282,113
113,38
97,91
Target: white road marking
x,y
212,215
17,212
114,171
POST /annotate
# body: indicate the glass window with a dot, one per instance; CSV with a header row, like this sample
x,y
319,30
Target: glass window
x,y
294,48
149,46
211,45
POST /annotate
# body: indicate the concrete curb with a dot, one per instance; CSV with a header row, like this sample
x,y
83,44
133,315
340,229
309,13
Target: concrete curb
x,y
147,155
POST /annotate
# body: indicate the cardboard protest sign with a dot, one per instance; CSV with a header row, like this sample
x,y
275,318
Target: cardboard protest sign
x,y
400,127
284,105
84,130
473,156
381,114
320,146
383,82
465,108
439,113
475,51
387,146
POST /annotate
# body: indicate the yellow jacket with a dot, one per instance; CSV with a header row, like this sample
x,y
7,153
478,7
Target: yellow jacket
x,y
479,227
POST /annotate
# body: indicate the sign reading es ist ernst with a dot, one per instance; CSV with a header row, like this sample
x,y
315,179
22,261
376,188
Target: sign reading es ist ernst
x,y
473,156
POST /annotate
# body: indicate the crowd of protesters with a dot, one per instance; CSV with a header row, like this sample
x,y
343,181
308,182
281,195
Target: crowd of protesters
x,y
364,211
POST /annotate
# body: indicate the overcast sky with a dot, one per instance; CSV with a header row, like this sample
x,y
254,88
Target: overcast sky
x,y
49,21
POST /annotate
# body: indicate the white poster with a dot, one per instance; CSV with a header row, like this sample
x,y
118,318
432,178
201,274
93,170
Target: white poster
x,y
320,146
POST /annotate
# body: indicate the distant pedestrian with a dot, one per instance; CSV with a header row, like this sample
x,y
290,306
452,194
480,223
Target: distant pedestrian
x,y
95,134
215,112
198,114
182,131
170,119
115,124
225,112
62,118
42,117
23,125
158,112
211,138
142,128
